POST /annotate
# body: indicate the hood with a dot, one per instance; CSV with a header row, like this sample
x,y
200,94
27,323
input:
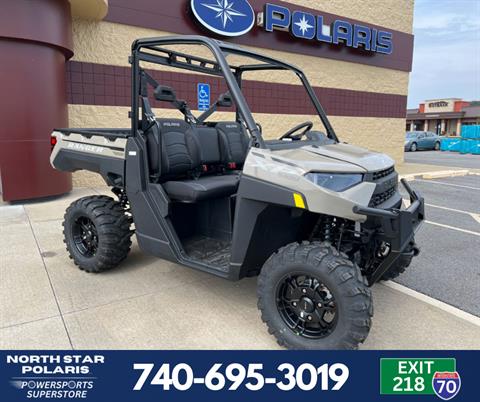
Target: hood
x,y
337,157
361,157
342,158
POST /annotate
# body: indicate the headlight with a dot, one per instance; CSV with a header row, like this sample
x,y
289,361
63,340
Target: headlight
x,y
335,181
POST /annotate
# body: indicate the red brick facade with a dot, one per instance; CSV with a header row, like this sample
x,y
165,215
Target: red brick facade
x,y
98,84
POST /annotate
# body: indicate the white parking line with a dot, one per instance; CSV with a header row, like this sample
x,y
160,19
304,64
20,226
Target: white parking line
x,y
452,209
472,319
475,216
448,184
453,228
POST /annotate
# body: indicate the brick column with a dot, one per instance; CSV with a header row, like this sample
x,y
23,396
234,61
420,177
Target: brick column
x,y
35,42
459,126
425,125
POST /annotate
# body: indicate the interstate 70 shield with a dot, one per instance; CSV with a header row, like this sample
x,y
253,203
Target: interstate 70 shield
x,y
446,384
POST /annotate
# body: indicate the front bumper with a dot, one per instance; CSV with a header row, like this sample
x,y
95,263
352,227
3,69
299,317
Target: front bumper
x,y
396,227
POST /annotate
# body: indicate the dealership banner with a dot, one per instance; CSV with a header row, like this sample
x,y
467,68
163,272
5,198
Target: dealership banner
x,y
238,375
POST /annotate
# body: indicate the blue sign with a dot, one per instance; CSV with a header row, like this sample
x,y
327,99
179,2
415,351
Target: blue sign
x,y
304,25
237,17
186,375
203,94
224,17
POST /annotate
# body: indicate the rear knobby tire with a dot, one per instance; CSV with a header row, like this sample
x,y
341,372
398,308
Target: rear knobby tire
x,y
111,233
401,264
344,280
397,269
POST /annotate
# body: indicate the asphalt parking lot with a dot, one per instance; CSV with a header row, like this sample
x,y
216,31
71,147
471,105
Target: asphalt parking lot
x,y
437,158
448,268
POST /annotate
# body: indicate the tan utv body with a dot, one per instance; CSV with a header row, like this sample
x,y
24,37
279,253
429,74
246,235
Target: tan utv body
x,y
318,221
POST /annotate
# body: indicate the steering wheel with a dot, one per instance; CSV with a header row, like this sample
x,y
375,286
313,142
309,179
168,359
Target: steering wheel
x,y
307,126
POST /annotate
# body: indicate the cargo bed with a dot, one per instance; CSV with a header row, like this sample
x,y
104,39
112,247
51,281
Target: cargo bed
x,y
99,150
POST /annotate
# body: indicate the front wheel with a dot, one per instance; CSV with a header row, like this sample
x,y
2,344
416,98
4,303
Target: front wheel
x,y
413,147
313,297
437,146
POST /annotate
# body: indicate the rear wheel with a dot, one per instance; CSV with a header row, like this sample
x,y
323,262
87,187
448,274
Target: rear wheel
x,y
312,297
413,147
97,233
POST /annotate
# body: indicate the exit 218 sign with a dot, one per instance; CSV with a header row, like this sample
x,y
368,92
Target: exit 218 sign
x,y
419,377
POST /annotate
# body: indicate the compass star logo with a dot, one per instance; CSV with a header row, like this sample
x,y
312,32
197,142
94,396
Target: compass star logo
x,y
303,25
224,10
224,17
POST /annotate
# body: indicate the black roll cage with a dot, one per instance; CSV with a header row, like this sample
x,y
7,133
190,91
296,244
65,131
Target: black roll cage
x,y
221,68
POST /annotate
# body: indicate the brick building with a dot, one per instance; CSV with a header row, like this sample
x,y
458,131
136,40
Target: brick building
x,y
443,116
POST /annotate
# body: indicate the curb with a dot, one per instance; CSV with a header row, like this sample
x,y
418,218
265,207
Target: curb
x,y
436,175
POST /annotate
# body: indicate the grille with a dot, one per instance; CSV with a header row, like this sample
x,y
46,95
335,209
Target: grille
x,y
383,191
383,173
380,198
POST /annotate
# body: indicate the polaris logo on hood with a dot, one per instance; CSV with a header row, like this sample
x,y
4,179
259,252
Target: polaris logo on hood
x,y
224,17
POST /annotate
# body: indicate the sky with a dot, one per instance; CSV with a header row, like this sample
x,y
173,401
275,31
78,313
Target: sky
x,y
446,59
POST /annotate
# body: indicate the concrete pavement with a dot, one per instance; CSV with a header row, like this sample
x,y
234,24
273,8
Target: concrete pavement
x,y
46,302
442,159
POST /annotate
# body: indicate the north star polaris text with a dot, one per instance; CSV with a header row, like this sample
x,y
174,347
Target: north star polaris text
x,y
318,221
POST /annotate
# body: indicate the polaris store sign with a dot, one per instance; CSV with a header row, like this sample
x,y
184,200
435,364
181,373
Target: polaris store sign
x,y
236,17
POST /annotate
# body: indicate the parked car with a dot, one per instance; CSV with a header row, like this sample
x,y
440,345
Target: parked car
x,y
422,140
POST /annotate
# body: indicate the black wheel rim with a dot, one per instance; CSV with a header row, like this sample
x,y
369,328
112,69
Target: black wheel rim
x,y
307,306
85,236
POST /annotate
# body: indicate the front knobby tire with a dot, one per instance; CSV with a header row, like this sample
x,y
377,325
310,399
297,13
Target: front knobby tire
x,y
97,233
314,284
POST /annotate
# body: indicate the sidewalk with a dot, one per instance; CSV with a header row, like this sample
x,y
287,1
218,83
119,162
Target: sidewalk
x,y
417,170
46,302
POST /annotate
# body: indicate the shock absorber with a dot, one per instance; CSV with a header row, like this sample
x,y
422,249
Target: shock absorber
x,y
327,228
122,197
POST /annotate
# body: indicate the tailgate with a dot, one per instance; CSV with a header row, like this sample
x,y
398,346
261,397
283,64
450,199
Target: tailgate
x,y
103,154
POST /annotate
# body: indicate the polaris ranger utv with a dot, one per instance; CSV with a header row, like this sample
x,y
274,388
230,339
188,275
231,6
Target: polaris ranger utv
x,y
318,221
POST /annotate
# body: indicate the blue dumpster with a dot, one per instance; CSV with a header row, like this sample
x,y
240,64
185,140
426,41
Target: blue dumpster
x,y
450,144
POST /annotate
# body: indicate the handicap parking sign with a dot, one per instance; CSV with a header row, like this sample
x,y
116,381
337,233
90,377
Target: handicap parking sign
x,y
203,94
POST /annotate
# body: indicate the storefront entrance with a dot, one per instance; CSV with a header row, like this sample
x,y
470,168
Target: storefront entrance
x,y
435,126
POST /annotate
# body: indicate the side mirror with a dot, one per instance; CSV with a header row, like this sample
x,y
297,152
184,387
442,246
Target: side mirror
x,y
165,94
225,100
